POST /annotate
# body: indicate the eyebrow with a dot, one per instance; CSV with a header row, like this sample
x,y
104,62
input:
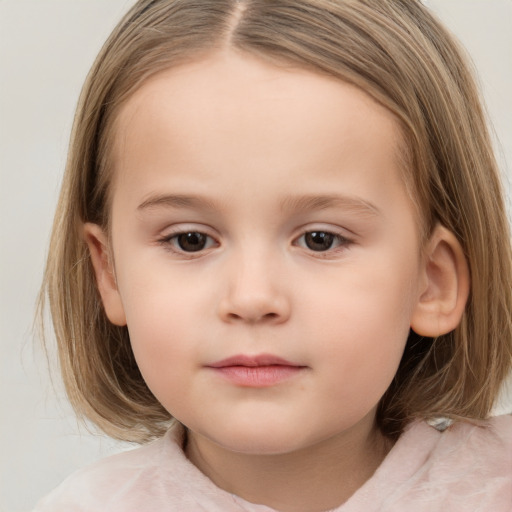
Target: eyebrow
x,y
177,201
310,202
322,202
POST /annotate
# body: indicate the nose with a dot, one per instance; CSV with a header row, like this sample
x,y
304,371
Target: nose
x,y
255,292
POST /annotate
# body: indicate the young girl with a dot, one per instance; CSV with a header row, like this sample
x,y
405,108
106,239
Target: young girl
x,y
281,255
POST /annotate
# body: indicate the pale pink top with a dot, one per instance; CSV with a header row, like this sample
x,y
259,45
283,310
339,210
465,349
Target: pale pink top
x,y
463,469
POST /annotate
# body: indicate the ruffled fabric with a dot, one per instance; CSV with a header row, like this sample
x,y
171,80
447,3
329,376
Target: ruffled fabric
x,y
465,468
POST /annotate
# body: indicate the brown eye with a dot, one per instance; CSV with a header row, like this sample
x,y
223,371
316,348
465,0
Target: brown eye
x,y
319,240
191,242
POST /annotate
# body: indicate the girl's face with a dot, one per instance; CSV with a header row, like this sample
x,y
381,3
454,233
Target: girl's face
x,y
265,250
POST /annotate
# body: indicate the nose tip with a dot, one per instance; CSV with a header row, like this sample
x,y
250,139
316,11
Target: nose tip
x,y
254,303
255,286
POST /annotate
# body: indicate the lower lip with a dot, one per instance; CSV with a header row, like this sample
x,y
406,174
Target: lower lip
x,y
258,376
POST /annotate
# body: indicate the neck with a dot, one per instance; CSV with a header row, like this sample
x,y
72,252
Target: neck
x,y
316,478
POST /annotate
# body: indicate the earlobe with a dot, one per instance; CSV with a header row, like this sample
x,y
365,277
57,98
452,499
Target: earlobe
x,y
97,241
445,289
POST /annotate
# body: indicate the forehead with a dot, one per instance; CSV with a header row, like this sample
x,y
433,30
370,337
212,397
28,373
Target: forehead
x,y
233,123
259,99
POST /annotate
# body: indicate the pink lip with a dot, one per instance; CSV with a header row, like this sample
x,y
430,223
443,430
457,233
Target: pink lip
x,y
252,361
257,371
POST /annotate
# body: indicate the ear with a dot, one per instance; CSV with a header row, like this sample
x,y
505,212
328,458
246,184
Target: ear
x,y
97,242
445,286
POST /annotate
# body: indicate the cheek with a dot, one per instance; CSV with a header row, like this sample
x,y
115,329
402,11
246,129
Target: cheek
x,y
162,303
376,297
360,335
165,319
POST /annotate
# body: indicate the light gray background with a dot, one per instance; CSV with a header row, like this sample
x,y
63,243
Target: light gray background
x,y
46,49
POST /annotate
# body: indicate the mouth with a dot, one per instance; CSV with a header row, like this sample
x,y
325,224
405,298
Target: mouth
x,y
257,371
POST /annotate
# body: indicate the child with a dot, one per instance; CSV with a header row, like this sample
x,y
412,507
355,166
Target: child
x,y
281,254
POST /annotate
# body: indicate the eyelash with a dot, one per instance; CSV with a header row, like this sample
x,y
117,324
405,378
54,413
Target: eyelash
x,y
171,243
342,242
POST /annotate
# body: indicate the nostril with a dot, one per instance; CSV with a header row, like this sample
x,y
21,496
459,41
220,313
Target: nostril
x,y
253,318
267,317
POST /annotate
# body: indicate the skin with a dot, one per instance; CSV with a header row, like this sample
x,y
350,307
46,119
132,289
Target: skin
x,y
241,150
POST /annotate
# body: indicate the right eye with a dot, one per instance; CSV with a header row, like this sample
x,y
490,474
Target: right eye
x,y
189,241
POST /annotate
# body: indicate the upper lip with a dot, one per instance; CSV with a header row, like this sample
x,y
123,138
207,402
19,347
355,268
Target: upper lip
x,y
252,361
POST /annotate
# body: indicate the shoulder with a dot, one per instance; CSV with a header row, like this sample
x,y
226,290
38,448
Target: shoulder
x,y
100,482
156,477
489,442
467,467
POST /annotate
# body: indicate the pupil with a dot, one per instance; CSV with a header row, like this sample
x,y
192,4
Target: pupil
x,y
319,240
192,242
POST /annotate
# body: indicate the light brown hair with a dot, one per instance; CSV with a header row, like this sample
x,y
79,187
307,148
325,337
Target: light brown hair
x,y
397,52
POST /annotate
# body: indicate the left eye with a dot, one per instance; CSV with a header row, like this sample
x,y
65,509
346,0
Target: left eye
x,y
321,241
191,241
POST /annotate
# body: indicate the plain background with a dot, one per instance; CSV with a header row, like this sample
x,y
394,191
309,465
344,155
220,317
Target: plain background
x,y
46,49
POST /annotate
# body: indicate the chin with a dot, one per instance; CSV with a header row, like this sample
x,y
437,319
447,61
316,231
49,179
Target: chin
x,y
263,438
